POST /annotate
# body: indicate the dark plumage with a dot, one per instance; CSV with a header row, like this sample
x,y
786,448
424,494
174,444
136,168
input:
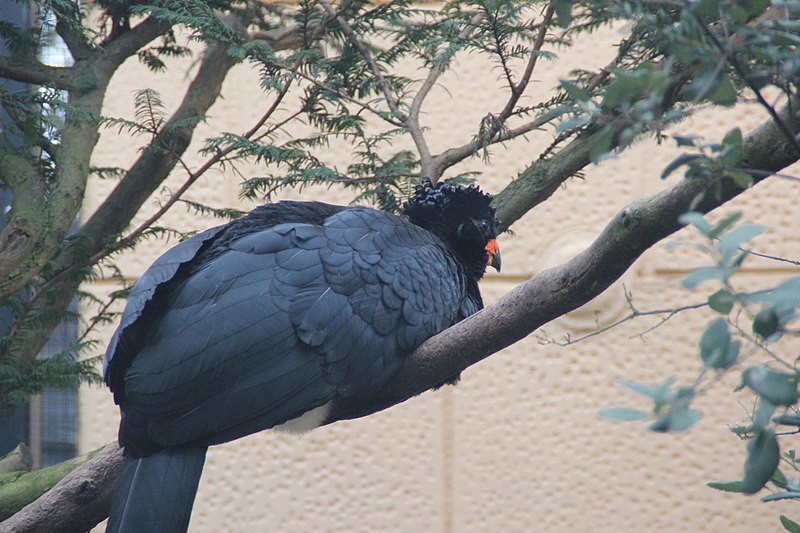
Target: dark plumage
x,y
275,316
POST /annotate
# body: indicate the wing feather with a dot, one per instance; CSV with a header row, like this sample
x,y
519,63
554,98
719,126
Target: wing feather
x,y
283,319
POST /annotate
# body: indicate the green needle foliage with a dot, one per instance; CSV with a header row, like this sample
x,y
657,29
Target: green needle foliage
x,y
332,72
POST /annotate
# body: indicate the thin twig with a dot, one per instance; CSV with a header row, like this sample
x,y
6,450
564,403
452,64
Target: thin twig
x,y
349,99
635,313
427,166
761,345
731,58
518,89
780,175
772,257
454,155
391,100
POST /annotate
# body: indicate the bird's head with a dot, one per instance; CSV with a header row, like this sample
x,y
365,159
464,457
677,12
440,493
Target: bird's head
x,y
462,217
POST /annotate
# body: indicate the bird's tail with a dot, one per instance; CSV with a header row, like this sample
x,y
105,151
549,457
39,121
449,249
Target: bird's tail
x,y
155,494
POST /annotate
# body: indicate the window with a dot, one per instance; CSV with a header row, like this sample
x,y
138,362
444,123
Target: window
x,y
50,423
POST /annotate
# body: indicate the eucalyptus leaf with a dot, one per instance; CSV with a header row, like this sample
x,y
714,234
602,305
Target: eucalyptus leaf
x,y
678,162
730,242
766,323
787,495
787,420
563,10
731,148
721,301
676,420
779,479
763,414
702,274
602,144
623,414
763,456
577,93
779,388
696,219
725,92
723,225
727,486
740,177
790,525
659,392
573,123
715,344
686,140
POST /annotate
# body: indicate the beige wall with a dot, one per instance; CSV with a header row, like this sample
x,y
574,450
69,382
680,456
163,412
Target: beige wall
x,y
517,445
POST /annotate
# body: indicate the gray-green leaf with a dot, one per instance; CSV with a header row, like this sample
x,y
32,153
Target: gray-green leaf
x,y
779,388
715,344
763,455
790,525
727,486
623,414
721,301
730,242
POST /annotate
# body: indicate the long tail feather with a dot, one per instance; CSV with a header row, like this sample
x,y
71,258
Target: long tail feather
x,y
155,494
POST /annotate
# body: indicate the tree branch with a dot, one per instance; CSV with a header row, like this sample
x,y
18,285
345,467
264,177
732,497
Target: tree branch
x,y
77,503
451,156
543,298
728,54
18,238
436,165
156,162
35,73
559,290
117,50
518,89
391,100
143,178
39,229
428,166
67,28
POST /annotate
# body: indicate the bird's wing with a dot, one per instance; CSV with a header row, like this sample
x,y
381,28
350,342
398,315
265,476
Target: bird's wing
x,y
160,272
286,319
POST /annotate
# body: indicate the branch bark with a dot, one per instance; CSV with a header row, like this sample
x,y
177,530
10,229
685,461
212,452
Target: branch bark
x,y
78,502
530,305
35,73
36,229
155,163
557,291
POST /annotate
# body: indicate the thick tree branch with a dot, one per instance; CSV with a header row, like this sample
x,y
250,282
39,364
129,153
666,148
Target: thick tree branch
x,y
543,298
117,50
39,229
18,238
77,503
557,291
541,179
156,162
33,72
143,178
69,29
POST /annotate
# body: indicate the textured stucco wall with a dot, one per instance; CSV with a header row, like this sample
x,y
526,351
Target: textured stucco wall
x,y
517,445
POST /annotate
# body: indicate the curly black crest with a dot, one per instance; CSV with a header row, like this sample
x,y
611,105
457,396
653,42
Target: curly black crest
x,y
431,204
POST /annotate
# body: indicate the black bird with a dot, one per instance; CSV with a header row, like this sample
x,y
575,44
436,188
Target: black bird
x,y
273,318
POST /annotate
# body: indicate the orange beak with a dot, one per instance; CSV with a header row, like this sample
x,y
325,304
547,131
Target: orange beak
x,y
493,254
